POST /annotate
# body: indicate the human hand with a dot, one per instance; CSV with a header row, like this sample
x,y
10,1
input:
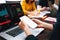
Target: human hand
x,y
23,25
34,13
44,8
40,25
43,24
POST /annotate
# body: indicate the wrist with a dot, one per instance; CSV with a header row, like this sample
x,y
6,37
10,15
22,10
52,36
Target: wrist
x,y
27,31
42,24
26,28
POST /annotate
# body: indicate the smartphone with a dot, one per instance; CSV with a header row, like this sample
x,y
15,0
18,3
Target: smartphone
x,y
29,22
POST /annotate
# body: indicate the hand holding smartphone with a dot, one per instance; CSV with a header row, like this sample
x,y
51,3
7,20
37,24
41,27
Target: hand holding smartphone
x,y
29,22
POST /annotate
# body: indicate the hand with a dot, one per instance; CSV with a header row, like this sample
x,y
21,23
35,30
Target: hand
x,y
44,17
43,24
44,8
34,13
23,25
38,22
31,14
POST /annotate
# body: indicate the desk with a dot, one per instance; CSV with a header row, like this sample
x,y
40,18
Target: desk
x,y
45,35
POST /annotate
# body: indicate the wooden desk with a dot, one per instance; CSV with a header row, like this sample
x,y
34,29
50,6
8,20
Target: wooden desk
x,y
45,35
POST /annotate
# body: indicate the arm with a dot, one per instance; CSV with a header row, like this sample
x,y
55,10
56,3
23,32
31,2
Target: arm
x,y
42,5
47,26
31,37
43,24
23,7
56,31
34,7
25,27
39,6
27,31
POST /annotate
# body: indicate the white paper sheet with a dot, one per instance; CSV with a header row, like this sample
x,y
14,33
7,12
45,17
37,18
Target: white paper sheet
x,y
51,19
41,14
13,0
2,1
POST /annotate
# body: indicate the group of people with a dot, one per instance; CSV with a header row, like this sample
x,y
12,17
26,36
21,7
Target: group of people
x,y
29,8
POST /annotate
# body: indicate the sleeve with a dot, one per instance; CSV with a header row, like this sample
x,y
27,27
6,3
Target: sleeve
x,y
56,31
34,7
23,7
31,37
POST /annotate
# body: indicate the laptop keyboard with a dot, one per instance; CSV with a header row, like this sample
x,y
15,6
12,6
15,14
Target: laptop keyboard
x,y
15,32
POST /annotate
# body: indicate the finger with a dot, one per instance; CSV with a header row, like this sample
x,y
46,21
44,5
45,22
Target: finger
x,y
36,20
40,26
23,23
19,23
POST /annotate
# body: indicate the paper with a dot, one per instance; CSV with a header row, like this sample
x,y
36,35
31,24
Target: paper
x,y
13,0
41,14
2,1
51,19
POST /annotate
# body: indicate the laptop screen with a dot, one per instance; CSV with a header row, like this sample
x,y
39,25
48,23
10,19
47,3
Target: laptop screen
x,y
3,17
15,8
14,11
3,13
3,10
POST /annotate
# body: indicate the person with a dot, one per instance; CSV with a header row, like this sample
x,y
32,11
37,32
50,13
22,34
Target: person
x,y
45,4
48,5
29,7
56,28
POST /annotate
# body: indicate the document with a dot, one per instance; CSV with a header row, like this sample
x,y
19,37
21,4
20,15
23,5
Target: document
x,y
51,19
13,0
40,15
2,1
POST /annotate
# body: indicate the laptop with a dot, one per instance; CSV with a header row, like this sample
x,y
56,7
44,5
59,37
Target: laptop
x,y
10,30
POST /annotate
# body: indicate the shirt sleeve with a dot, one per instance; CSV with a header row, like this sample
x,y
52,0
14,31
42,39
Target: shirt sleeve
x,y
34,7
56,30
31,37
23,7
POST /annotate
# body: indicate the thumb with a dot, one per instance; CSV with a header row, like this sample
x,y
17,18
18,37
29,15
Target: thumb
x,y
36,21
